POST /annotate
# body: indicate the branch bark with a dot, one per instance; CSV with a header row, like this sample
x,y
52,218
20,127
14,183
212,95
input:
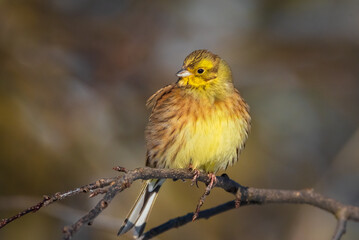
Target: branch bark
x,y
59,196
243,196
180,221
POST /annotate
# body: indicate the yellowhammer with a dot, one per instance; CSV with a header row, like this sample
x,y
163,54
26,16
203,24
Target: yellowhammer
x,y
200,122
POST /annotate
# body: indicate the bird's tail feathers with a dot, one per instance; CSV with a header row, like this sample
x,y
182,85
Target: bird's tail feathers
x,y
140,211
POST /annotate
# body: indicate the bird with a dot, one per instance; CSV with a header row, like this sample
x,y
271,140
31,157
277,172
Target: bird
x,y
200,122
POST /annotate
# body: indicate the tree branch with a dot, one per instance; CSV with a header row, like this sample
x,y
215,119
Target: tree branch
x,y
59,196
341,225
180,221
244,196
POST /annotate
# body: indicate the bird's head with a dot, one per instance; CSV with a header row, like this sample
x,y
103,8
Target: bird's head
x,y
205,71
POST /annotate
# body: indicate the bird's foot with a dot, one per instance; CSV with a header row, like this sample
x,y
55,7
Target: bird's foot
x,y
195,176
212,182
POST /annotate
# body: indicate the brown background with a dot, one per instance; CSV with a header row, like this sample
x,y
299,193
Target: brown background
x,y
75,75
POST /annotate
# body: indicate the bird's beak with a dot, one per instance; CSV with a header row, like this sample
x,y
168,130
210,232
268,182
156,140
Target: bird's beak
x,y
183,73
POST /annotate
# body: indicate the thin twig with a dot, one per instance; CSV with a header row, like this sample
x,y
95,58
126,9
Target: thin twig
x,y
341,224
200,203
119,186
340,229
59,196
203,197
97,192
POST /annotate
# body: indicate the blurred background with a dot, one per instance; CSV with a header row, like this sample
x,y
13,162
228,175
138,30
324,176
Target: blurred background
x,y
75,75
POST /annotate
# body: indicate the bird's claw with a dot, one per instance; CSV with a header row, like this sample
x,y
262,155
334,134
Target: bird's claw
x,y
195,177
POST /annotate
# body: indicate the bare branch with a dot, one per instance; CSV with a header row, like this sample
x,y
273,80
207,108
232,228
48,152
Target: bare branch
x,y
180,221
59,211
59,196
243,196
341,225
340,229
118,186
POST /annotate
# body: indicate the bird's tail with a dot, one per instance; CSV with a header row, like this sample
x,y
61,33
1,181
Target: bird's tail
x,y
139,213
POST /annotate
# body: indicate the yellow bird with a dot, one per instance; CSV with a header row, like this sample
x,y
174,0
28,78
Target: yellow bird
x,y
200,122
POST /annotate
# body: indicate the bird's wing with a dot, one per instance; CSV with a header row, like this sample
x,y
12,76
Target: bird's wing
x,y
151,102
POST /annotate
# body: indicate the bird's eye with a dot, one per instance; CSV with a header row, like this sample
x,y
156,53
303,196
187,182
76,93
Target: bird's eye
x,y
201,70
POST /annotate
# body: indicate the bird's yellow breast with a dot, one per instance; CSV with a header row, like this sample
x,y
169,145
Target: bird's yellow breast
x,y
210,145
210,142
198,131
